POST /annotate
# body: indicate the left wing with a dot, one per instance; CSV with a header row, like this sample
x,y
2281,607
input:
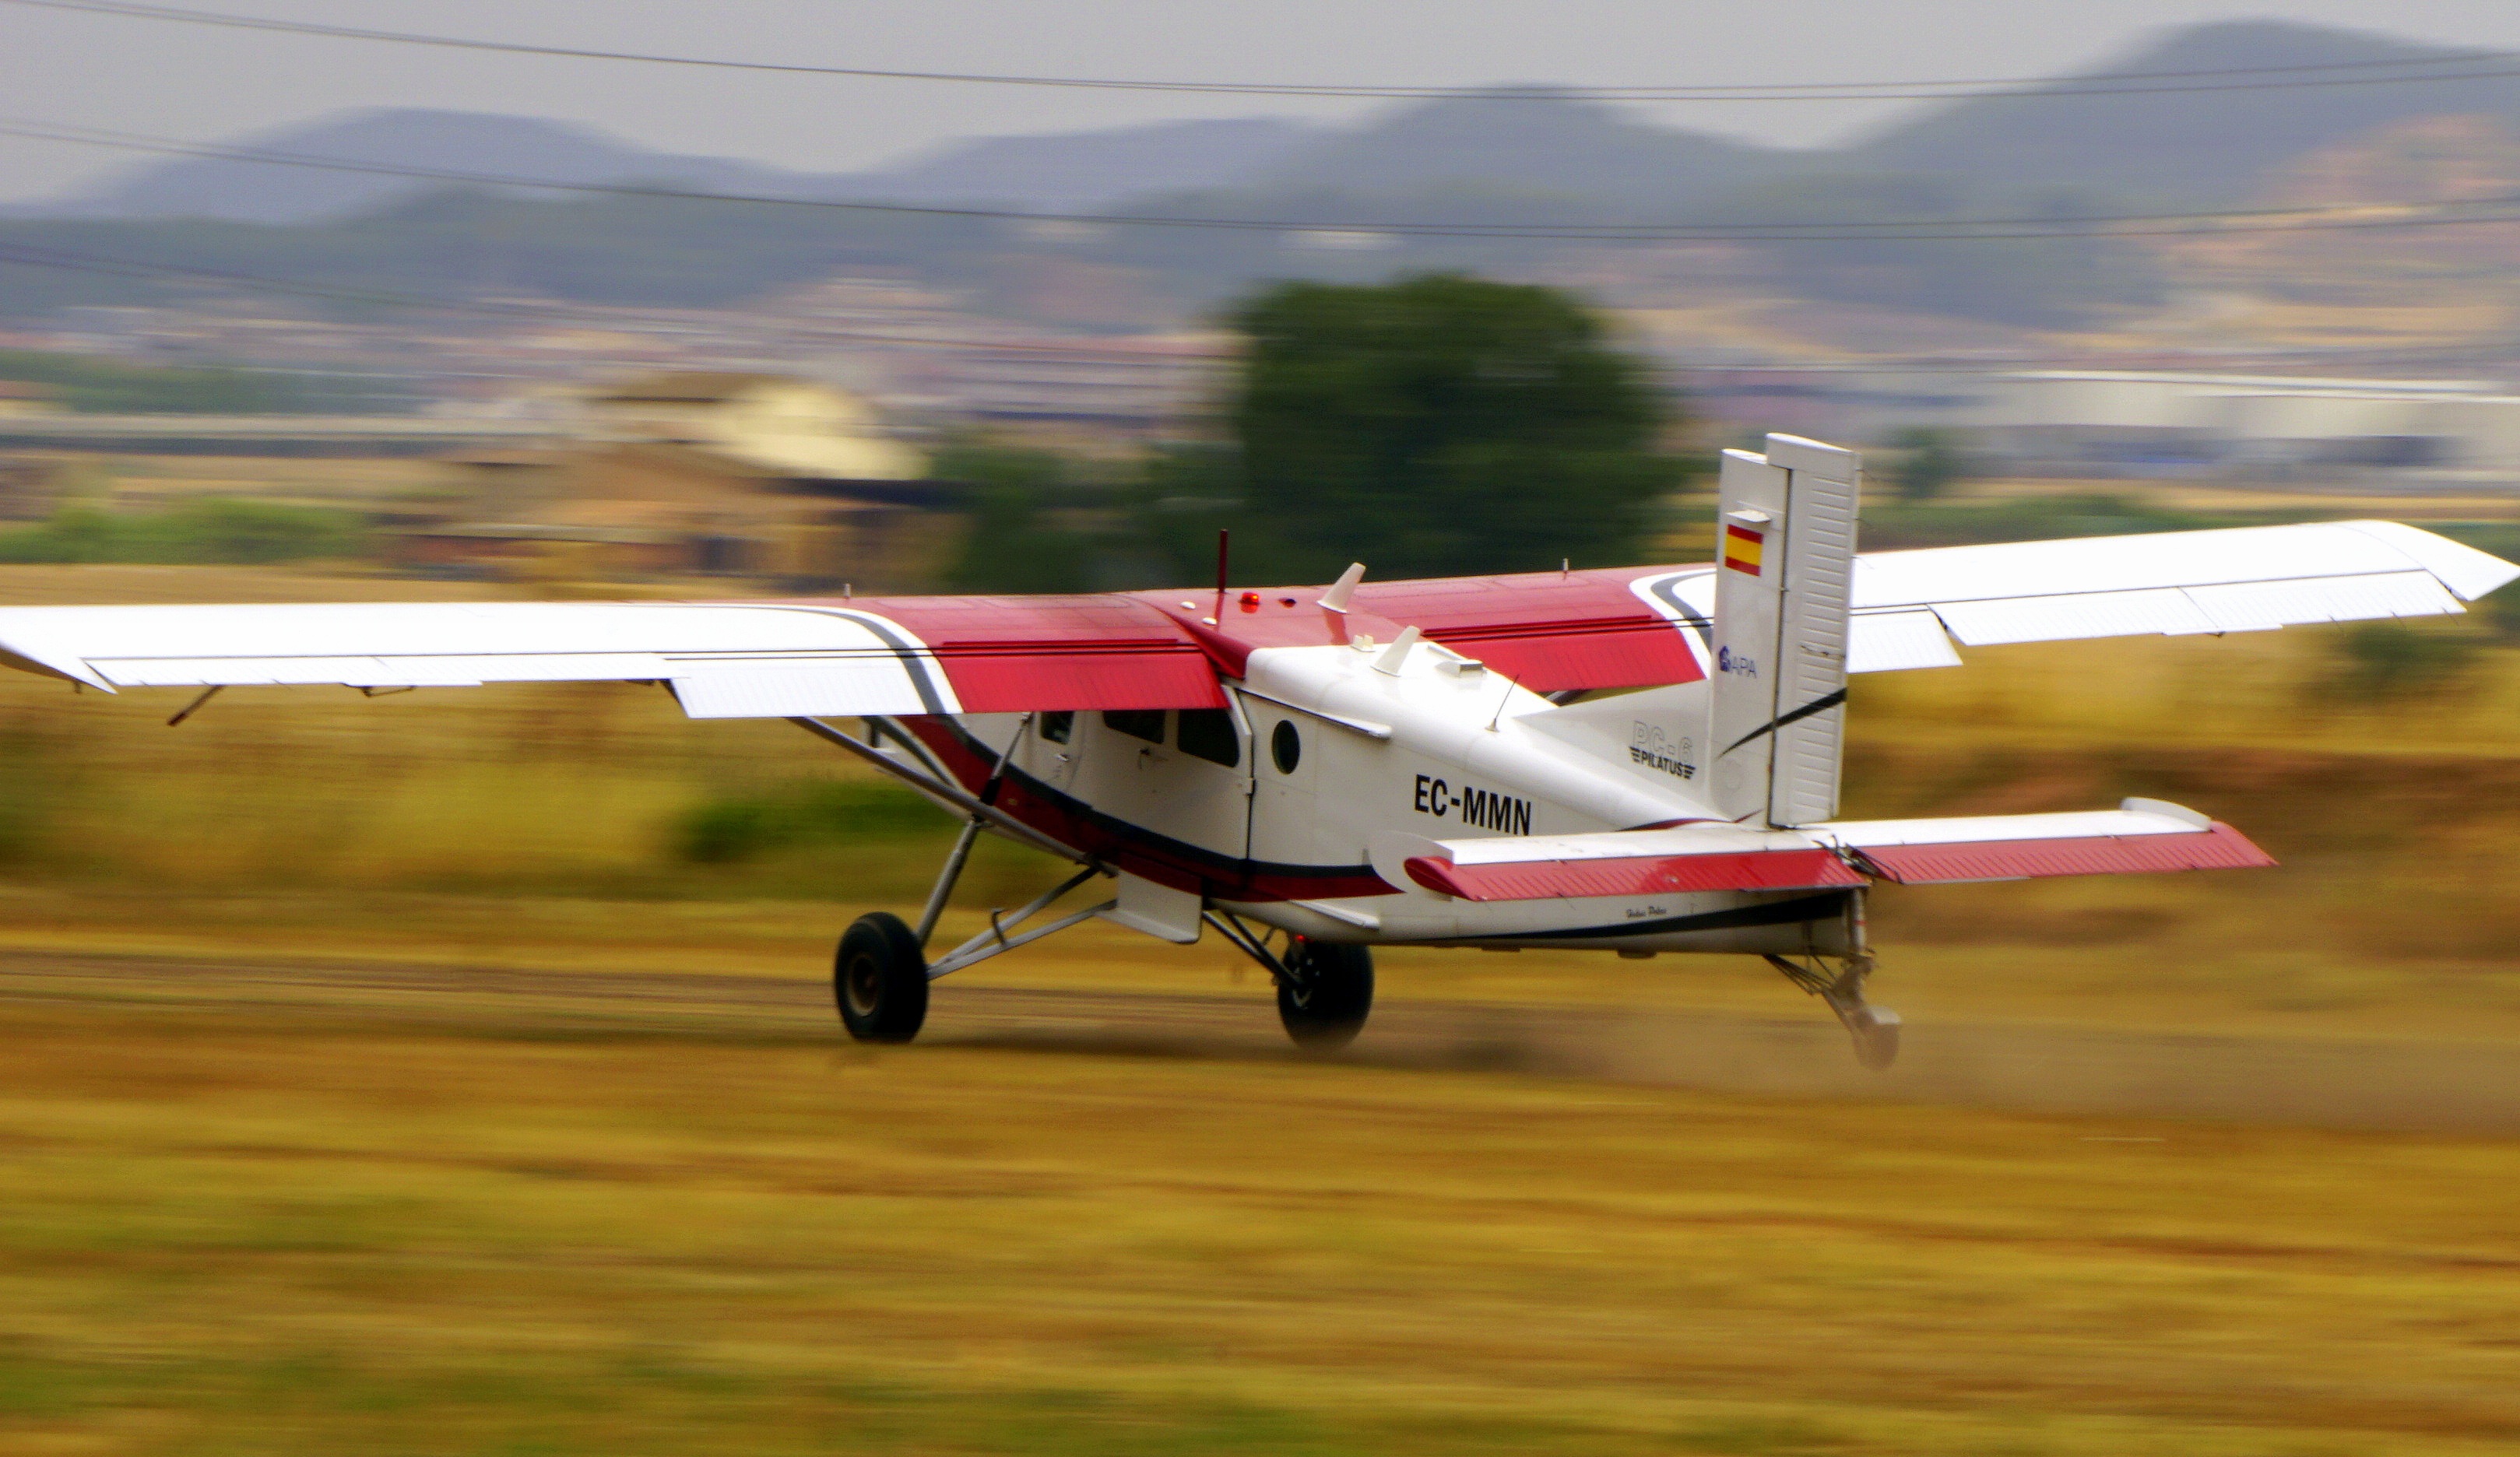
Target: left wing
x,y
913,655
1908,606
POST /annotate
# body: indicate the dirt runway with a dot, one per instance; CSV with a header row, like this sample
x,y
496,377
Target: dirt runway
x,y
2413,1086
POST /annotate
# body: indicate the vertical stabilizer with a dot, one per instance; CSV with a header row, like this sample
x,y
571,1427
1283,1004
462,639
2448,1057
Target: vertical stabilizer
x,y
1785,558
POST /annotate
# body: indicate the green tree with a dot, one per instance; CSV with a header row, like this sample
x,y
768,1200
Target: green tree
x,y
2383,661
209,530
1932,464
1435,426
1017,543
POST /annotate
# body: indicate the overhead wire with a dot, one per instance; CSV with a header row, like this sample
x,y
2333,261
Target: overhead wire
x,y
19,255
2417,70
2403,214
11,254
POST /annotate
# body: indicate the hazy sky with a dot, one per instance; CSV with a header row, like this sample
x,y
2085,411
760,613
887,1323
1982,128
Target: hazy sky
x,y
195,83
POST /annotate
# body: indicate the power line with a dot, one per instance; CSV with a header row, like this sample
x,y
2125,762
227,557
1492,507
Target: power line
x,y
18,256
2204,224
2366,356
2102,83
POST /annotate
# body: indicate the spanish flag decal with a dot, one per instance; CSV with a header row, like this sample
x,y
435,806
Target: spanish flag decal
x,y
1741,548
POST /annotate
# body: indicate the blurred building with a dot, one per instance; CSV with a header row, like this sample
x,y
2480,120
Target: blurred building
x,y
2130,423
2142,422
1138,385
20,399
742,474
29,490
794,427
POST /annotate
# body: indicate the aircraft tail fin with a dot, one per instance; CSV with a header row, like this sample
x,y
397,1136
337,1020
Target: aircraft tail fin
x,y
1786,564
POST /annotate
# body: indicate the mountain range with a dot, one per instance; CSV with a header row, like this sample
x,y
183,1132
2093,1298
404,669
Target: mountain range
x,y
2234,107
1059,173
2193,136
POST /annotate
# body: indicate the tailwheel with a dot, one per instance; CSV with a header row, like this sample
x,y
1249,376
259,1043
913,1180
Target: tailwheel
x,y
879,979
1875,1029
1326,993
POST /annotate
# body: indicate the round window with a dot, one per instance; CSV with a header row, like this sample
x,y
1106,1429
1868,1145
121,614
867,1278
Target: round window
x,y
1286,746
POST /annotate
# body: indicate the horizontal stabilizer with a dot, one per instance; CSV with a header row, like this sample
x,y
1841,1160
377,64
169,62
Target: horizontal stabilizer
x,y
1691,857
2141,836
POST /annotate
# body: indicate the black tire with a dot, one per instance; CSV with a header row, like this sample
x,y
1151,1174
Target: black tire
x,y
1337,993
879,980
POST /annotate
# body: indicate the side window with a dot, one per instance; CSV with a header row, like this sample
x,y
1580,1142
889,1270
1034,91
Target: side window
x,y
1208,733
1286,746
1058,727
1137,722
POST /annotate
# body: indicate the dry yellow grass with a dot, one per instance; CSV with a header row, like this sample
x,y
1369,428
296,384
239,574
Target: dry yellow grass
x,y
260,1232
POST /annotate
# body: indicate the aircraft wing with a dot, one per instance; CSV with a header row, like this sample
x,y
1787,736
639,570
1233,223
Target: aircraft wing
x,y
922,655
1907,608
1549,630
2141,835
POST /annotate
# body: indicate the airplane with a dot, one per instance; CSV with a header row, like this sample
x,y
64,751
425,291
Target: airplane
x,y
1637,760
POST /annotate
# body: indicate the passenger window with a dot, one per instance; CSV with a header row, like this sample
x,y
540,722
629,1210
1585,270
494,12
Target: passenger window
x,y
1058,727
1137,722
1208,733
1286,746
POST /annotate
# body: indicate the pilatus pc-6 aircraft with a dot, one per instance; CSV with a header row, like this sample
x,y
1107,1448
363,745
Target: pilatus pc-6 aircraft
x,y
1311,772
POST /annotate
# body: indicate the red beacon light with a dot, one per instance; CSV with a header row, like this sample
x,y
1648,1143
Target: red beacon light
x,y
1250,601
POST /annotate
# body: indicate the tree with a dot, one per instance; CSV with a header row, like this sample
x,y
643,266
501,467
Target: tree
x,y
1931,466
1432,426
1014,544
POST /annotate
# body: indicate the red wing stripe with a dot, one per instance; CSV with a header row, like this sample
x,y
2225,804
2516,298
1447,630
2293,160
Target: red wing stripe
x,y
1023,681
2220,848
1633,875
1624,655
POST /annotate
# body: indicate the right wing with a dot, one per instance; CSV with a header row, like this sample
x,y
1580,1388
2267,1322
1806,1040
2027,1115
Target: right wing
x,y
1908,606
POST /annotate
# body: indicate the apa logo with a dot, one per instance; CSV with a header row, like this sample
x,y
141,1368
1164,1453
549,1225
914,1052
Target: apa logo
x,y
1728,661
1649,746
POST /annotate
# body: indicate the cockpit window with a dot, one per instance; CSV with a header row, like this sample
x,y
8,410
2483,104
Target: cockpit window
x,y
1137,722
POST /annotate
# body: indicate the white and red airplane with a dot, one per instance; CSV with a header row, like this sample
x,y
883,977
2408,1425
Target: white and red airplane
x,y
1312,772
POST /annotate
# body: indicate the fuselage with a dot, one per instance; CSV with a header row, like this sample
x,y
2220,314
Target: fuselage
x,y
1272,807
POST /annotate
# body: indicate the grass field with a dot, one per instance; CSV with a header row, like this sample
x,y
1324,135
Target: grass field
x,y
264,1232
265,1210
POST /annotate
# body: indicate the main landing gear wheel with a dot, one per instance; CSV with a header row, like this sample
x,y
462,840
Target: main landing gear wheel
x,y
879,979
1325,1005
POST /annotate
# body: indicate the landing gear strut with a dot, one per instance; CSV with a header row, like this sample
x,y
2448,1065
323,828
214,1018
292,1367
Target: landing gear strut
x,y
1875,1030
880,973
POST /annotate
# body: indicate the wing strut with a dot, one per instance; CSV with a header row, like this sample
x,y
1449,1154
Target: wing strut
x,y
950,793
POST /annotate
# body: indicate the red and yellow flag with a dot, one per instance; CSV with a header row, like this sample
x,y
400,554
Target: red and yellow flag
x,y
1742,547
